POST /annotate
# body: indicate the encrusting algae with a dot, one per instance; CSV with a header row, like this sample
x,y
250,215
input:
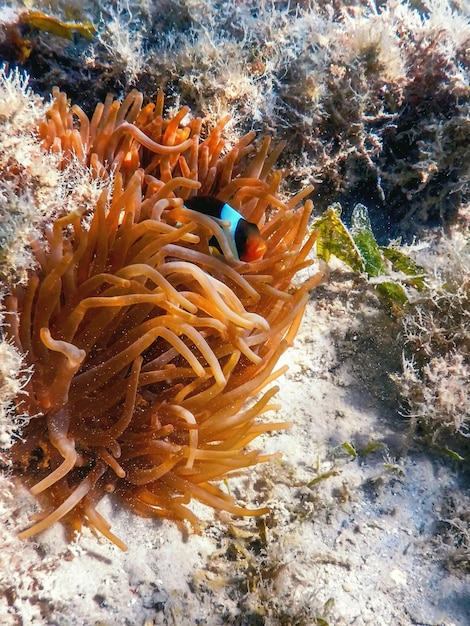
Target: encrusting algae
x,y
145,341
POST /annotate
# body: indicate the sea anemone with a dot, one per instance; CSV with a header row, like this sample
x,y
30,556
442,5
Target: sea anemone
x,y
145,341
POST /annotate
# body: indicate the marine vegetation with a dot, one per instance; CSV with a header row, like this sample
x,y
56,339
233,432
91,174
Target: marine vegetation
x,y
144,340
373,97
394,275
436,337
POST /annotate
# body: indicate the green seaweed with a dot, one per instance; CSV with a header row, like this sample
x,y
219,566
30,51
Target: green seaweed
x,y
371,447
363,237
402,263
359,250
334,239
451,454
350,449
322,477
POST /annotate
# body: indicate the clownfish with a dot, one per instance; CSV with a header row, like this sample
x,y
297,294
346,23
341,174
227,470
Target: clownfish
x,y
249,244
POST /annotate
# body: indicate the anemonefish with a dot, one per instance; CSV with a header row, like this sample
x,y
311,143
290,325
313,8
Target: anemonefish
x,y
249,244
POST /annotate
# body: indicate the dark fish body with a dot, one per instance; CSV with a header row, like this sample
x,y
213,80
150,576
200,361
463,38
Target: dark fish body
x,y
248,241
